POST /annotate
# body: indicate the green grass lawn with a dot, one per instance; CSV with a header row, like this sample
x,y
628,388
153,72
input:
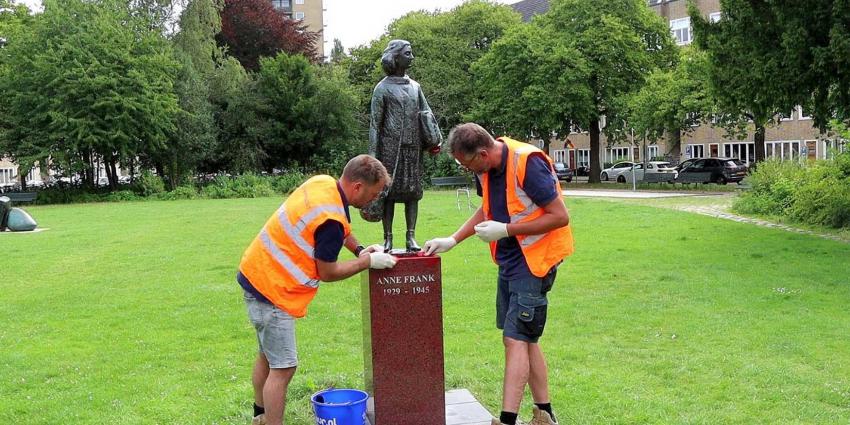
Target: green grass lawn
x,y
129,314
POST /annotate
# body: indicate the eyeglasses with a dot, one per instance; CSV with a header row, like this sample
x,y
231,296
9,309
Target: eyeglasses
x,y
468,161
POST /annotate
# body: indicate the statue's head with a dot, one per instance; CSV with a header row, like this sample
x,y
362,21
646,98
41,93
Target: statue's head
x,y
397,57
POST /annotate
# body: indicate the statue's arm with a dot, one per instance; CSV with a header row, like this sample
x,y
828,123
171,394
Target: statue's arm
x,y
376,120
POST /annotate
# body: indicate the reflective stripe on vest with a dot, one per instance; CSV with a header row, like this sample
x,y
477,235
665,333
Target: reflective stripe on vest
x,y
280,262
541,252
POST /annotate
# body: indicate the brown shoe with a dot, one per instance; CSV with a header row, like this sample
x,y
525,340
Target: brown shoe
x,y
259,420
541,417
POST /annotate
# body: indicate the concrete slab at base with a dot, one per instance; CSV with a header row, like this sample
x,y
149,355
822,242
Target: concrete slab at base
x,y
461,409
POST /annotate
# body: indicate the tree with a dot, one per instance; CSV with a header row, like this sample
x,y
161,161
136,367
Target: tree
x,y
193,142
338,52
15,21
89,83
529,82
252,29
290,114
744,63
790,53
673,101
620,42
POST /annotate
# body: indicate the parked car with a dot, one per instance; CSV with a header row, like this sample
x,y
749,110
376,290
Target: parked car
x,y
563,172
713,170
656,171
612,172
685,163
583,170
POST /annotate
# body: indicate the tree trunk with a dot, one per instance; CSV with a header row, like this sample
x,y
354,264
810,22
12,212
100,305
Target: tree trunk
x,y
108,170
22,176
88,172
758,138
595,164
113,180
675,148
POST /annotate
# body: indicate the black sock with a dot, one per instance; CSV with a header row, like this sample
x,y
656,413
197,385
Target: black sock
x,y
507,418
258,410
546,407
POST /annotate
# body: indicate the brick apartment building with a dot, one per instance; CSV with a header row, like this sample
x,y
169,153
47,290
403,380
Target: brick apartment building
x,y
794,137
309,11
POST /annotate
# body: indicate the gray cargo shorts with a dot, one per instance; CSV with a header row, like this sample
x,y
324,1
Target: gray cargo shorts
x,y
275,332
521,306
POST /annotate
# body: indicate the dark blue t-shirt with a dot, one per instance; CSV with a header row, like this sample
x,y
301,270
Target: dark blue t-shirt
x,y
540,186
330,237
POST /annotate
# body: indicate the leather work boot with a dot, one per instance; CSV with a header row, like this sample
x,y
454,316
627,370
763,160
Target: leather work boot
x,y
412,246
259,420
541,417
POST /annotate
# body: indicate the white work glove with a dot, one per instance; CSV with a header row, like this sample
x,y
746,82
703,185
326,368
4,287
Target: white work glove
x,y
438,245
379,260
372,248
490,230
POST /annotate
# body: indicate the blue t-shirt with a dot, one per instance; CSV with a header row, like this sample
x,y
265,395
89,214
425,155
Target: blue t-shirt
x,y
330,237
539,185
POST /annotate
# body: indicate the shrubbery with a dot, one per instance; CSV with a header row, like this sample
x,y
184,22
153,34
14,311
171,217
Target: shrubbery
x,y
816,194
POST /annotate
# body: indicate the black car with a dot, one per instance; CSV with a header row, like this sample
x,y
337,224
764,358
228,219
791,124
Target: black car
x,y
713,170
563,172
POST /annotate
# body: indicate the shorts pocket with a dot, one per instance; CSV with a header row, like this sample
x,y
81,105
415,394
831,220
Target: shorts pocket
x,y
531,314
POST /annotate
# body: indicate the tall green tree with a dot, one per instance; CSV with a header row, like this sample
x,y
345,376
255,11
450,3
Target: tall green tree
x,y
769,56
199,56
338,52
673,101
530,84
619,43
90,83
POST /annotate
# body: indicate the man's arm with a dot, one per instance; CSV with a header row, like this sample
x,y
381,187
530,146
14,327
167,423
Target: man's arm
x,y
555,215
339,270
468,228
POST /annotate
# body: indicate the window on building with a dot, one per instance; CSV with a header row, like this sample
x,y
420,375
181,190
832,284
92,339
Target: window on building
x,y
559,155
745,151
785,150
652,152
7,176
299,1
617,154
714,17
786,116
583,158
694,151
802,114
299,15
281,4
681,30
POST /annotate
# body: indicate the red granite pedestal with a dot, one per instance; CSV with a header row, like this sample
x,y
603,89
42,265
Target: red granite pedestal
x,y
403,342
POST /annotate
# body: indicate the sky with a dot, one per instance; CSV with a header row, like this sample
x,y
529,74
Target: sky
x,y
358,22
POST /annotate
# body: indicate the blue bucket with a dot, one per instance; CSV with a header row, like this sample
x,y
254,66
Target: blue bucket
x,y
340,407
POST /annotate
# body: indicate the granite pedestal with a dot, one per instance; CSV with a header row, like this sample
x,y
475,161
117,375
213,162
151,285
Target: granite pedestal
x,y
403,342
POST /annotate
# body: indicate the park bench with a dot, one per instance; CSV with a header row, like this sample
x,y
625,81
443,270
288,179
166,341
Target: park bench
x,y
16,197
453,181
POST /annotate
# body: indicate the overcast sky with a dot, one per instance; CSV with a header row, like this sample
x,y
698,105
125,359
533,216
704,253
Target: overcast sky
x,y
358,22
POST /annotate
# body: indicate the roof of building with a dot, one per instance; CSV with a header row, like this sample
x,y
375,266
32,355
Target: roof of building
x,y
529,8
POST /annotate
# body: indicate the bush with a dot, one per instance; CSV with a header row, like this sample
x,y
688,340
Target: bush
x,y
149,184
286,183
818,194
773,185
180,192
244,186
122,195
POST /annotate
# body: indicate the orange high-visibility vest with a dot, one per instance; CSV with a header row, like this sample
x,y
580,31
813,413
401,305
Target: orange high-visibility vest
x,y
541,252
279,263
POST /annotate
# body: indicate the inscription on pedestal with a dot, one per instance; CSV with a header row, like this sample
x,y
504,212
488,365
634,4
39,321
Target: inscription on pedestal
x,y
403,342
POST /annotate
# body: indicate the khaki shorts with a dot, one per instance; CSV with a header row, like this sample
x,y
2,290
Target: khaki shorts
x,y
275,332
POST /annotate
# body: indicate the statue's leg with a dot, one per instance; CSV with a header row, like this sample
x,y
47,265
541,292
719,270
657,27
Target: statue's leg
x,y
389,211
411,212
